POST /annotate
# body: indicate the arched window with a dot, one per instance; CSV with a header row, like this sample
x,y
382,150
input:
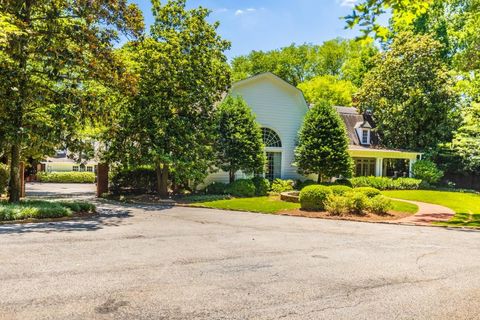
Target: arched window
x,y
271,138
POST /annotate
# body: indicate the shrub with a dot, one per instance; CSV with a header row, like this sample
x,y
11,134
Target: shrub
x,y
379,205
32,210
241,188
262,186
66,177
313,197
205,198
279,185
408,184
340,190
427,171
299,184
336,204
384,183
216,188
134,180
344,182
78,206
357,202
4,174
368,191
381,183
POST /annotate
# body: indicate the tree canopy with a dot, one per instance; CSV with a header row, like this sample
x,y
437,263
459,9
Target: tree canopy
x,y
323,144
53,55
330,89
183,72
410,94
239,143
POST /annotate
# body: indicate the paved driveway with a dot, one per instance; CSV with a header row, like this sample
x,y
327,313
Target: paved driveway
x,y
59,190
186,263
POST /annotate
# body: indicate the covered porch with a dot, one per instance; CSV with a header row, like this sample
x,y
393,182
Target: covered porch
x,y
383,163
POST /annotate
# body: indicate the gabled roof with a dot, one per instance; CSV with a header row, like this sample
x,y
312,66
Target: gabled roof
x,y
273,77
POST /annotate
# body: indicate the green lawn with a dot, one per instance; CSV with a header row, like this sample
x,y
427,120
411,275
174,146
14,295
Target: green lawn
x,y
274,204
466,205
259,204
400,206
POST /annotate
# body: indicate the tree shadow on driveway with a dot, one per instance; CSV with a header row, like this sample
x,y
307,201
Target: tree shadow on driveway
x,y
106,217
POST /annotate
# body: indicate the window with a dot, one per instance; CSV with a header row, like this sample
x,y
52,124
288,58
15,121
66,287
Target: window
x,y
365,134
75,168
89,169
271,138
364,167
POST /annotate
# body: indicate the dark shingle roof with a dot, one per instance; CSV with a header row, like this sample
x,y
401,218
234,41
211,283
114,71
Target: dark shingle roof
x,y
351,118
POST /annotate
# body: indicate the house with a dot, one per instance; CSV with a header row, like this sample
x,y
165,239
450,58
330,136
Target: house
x,y
62,163
280,109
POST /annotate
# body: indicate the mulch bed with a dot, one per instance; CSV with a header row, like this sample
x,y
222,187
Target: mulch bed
x,y
391,216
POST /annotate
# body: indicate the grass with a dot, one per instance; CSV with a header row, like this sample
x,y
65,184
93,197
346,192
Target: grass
x,y
258,204
38,209
400,206
466,205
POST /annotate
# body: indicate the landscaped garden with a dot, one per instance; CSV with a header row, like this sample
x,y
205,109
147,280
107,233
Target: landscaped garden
x,y
466,205
38,209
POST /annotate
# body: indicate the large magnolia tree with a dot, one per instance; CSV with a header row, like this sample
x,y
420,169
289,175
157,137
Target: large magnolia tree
x,y
51,53
182,72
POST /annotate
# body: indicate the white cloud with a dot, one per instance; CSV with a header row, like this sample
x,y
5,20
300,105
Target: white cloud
x,y
348,3
241,12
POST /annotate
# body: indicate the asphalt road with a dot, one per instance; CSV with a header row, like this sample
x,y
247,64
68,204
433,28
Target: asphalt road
x,y
185,263
60,190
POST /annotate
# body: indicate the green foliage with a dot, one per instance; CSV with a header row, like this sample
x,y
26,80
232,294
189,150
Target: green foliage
x,y
133,180
340,190
427,171
182,72
239,145
466,141
279,185
328,88
344,182
54,57
299,184
323,144
216,188
262,186
336,204
410,94
368,191
66,177
205,198
241,188
4,175
346,59
380,205
314,197
384,183
357,202
36,209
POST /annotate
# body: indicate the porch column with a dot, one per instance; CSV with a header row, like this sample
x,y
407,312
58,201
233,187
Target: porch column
x,y
379,167
410,167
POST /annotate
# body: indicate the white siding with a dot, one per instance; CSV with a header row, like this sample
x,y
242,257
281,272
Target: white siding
x,y
278,106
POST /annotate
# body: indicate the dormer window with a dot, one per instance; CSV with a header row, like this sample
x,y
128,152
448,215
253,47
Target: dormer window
x,y
365,136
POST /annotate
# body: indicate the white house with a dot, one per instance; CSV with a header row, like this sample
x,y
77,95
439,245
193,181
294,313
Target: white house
x,y
62,163
280,109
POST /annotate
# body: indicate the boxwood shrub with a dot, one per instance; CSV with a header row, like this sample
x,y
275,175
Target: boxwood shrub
x,y
66,177
241,188
384,183
135,180
313,197
368,191
340,190
262,186
216,188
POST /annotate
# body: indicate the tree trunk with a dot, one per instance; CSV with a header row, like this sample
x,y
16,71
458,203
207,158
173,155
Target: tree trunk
x,y
231,175
162,180
319,179
15,188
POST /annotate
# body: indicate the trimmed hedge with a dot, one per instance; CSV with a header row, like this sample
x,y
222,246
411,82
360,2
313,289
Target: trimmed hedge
x,y
133,180
241,188
313,197
368,191
216,188
427,171
299,185
66,177
4,175
340,190
384,183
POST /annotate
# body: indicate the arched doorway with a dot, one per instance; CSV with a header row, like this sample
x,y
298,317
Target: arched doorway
x,y
273,149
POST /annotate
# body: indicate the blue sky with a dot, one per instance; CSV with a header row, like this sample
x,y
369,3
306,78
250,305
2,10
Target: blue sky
x,y
270,24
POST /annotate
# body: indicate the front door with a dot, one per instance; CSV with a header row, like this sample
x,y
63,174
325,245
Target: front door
x,y
274,166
